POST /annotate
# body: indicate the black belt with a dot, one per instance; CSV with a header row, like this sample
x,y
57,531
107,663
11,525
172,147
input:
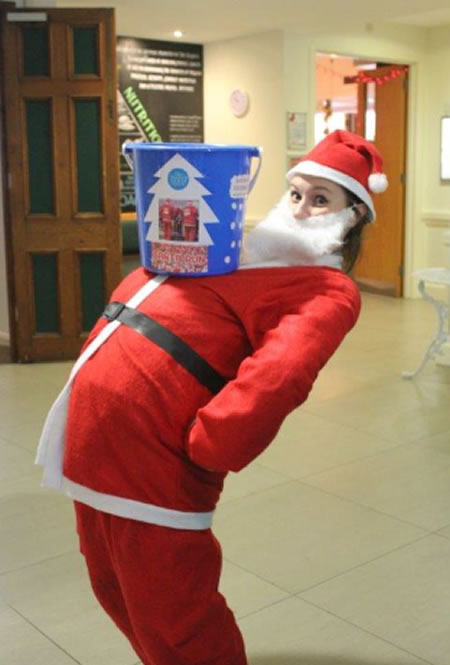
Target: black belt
x,y
167,340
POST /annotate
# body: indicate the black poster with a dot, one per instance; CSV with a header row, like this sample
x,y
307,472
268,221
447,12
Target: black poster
x,y
160,98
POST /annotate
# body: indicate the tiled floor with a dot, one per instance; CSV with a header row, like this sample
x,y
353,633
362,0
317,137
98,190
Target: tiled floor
x,y
336,540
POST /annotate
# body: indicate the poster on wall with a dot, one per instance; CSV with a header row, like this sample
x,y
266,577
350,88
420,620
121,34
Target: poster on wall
x,y
159,97
296,131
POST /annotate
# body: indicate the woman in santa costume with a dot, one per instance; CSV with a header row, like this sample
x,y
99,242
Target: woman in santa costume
x,y
145,432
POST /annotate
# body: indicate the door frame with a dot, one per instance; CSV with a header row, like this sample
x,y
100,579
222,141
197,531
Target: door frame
x,y
4,199
410,197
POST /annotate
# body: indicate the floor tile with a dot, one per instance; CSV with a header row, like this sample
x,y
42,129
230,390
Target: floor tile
x,y
55,596
245,593
15,462
444,532
44,529
307,444
26,435
286,535
354,367
396,410
410,482
403,597
23,495
54,374
22,644
295,633
48,375
434,373
34,416
344,374
250,480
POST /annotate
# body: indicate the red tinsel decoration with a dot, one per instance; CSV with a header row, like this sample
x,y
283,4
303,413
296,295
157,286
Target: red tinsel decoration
x,y
379,80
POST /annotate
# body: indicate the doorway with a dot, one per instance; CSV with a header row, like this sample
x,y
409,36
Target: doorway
x,y
370,99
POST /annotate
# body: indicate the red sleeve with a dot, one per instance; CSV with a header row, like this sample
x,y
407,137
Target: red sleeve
x,y
242,420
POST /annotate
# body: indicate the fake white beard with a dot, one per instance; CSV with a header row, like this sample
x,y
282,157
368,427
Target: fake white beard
x,y
282,237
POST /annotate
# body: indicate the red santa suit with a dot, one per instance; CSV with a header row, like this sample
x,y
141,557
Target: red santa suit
x,y
143,446
166,214
190,218
143,434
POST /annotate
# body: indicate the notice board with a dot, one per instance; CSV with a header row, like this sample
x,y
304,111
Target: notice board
x,y
160,98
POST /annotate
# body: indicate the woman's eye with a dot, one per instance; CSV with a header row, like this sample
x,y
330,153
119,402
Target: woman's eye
x,y
295,196
320,200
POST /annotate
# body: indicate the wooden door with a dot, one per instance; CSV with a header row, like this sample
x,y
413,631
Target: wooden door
x,y
380,268
63,214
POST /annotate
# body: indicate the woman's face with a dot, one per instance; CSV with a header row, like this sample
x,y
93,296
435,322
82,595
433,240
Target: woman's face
x,y
310,196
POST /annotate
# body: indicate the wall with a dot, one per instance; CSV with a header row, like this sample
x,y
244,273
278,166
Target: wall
x,y
253,64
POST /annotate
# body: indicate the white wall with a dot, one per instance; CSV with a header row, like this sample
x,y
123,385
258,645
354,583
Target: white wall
x,y
253,64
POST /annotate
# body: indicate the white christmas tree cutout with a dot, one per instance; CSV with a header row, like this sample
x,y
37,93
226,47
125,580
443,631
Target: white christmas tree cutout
x,y
178,181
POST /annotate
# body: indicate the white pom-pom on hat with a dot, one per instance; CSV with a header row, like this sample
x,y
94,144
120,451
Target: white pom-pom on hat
x,y
378,182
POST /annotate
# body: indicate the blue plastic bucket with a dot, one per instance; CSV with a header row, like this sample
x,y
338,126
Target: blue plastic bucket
x,y
190,200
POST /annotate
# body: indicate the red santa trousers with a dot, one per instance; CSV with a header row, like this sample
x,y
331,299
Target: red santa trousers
x,y
159,586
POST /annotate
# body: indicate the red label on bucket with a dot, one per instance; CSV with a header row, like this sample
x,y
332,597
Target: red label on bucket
x,y
180,258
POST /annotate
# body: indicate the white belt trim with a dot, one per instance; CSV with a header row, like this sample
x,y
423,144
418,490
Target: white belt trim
x,y
51,447
136,510
50,453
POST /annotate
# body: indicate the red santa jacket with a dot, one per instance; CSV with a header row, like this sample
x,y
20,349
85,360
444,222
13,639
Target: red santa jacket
x,y
166,211
140,426
190,214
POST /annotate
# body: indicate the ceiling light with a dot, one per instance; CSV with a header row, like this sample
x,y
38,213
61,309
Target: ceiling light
x,y
177,33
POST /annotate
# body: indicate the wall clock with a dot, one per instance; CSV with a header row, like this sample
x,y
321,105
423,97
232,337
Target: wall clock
x,y
239,102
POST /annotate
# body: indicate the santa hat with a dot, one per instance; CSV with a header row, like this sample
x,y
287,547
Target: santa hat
x,y
350,161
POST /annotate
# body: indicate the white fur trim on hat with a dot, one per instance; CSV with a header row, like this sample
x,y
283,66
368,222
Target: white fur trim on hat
x,y
308,167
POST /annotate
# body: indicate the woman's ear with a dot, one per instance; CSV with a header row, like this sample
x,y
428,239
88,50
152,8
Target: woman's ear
x,y
361,210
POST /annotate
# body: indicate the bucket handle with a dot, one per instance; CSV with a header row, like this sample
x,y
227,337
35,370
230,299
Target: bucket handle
x,y
126,153
255,152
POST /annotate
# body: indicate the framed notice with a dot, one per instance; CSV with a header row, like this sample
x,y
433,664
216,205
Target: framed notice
x,y
160,98
296,130
445,148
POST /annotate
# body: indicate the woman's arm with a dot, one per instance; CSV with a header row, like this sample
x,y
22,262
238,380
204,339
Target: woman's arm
x,y
242,420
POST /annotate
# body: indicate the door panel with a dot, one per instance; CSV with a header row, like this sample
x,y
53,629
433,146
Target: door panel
x,y
380,268
63,201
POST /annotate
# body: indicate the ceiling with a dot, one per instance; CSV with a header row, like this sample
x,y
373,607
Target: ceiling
x,y
211,20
